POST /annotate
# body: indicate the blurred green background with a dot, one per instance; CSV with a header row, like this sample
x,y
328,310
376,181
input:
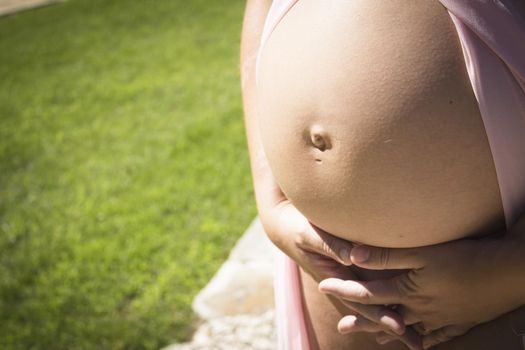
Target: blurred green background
x,y
124,177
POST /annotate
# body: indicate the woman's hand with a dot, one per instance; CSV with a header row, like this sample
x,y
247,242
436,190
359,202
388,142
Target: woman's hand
x,y
322,256
448,289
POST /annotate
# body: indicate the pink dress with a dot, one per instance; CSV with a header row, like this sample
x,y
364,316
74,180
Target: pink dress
x,y
492,36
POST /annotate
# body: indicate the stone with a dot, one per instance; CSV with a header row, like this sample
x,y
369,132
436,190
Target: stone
x,y
237,288
239,332
244,283
253,245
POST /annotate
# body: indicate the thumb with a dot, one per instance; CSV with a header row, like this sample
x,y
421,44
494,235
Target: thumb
x,y
318,241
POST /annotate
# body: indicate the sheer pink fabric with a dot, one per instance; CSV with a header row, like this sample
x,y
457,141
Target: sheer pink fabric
x,y
492,36
289,311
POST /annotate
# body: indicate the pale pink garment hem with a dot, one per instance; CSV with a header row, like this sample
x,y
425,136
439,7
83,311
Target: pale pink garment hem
x,y
289,310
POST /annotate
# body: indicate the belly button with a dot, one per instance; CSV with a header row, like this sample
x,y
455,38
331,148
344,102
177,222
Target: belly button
x,y
320,138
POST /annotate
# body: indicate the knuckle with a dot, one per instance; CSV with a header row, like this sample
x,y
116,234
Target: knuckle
x,y
363,295
406,287
300,239
326,247
384,257
330,246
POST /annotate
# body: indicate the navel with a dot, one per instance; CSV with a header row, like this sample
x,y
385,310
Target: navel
x,y
319,138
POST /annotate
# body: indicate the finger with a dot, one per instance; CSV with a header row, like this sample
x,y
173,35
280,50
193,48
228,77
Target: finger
x,y
409,318
375,258
375,292
412,339
381,315
357,323
321,242
442,335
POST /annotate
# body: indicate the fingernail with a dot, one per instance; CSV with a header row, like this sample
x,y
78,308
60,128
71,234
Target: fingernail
x,y
391,323
344,254
325,285
399,330
360,254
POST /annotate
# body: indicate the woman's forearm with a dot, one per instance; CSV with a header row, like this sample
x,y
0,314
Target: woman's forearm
x,y
254,17
268,194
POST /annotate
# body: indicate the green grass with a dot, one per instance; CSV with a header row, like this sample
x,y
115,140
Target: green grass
x,y
124,178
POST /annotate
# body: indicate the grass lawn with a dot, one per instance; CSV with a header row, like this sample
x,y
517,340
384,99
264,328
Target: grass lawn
x,y
124,178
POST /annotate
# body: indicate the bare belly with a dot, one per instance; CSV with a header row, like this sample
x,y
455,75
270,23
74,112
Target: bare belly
x,y
370,124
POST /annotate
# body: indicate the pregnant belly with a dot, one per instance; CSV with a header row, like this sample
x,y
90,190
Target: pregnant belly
x,y
370,125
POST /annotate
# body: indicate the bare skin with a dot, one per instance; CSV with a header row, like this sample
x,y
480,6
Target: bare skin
x,y
348,133
404,143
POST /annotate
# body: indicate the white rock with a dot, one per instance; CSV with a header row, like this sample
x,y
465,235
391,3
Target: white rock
x,y
253,245
244,283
